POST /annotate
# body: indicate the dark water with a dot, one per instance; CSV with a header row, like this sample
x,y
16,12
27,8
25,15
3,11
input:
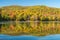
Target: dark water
x,y
30,37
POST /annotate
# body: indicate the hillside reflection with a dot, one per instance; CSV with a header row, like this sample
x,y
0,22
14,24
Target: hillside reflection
x,y
30,28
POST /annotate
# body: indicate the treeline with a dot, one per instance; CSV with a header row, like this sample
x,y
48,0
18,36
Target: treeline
x,y
29,13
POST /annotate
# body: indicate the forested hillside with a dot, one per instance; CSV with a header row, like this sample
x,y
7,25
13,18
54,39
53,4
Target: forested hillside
x,y
31,13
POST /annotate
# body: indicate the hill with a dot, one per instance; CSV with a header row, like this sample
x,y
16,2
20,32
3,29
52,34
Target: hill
x,y
31,13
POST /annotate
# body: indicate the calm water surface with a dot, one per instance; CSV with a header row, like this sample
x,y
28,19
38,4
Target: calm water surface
x,y
30,37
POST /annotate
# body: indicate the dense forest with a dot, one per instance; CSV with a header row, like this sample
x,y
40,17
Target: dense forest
x,y
29,13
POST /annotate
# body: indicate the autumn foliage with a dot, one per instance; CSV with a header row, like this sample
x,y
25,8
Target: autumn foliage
x,y
31,13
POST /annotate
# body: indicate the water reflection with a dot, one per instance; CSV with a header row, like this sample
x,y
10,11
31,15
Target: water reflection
x,y
30,28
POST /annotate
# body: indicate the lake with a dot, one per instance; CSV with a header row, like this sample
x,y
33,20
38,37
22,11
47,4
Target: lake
x,y
24,37
30,30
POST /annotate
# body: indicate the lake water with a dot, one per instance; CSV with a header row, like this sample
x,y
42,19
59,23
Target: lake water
x,y
24,37
53,34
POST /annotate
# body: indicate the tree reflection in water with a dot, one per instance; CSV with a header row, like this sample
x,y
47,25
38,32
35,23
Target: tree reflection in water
x,y
30,28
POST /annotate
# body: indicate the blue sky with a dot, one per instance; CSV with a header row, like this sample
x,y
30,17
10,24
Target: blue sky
x,y
51,3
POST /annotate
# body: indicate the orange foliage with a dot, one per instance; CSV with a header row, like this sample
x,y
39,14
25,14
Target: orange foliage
x,y
12,27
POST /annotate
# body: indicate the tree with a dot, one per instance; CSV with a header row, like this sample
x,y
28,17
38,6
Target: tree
x,y
0,19
0,15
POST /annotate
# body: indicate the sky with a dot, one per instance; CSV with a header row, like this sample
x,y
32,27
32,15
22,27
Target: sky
x,y
50,3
